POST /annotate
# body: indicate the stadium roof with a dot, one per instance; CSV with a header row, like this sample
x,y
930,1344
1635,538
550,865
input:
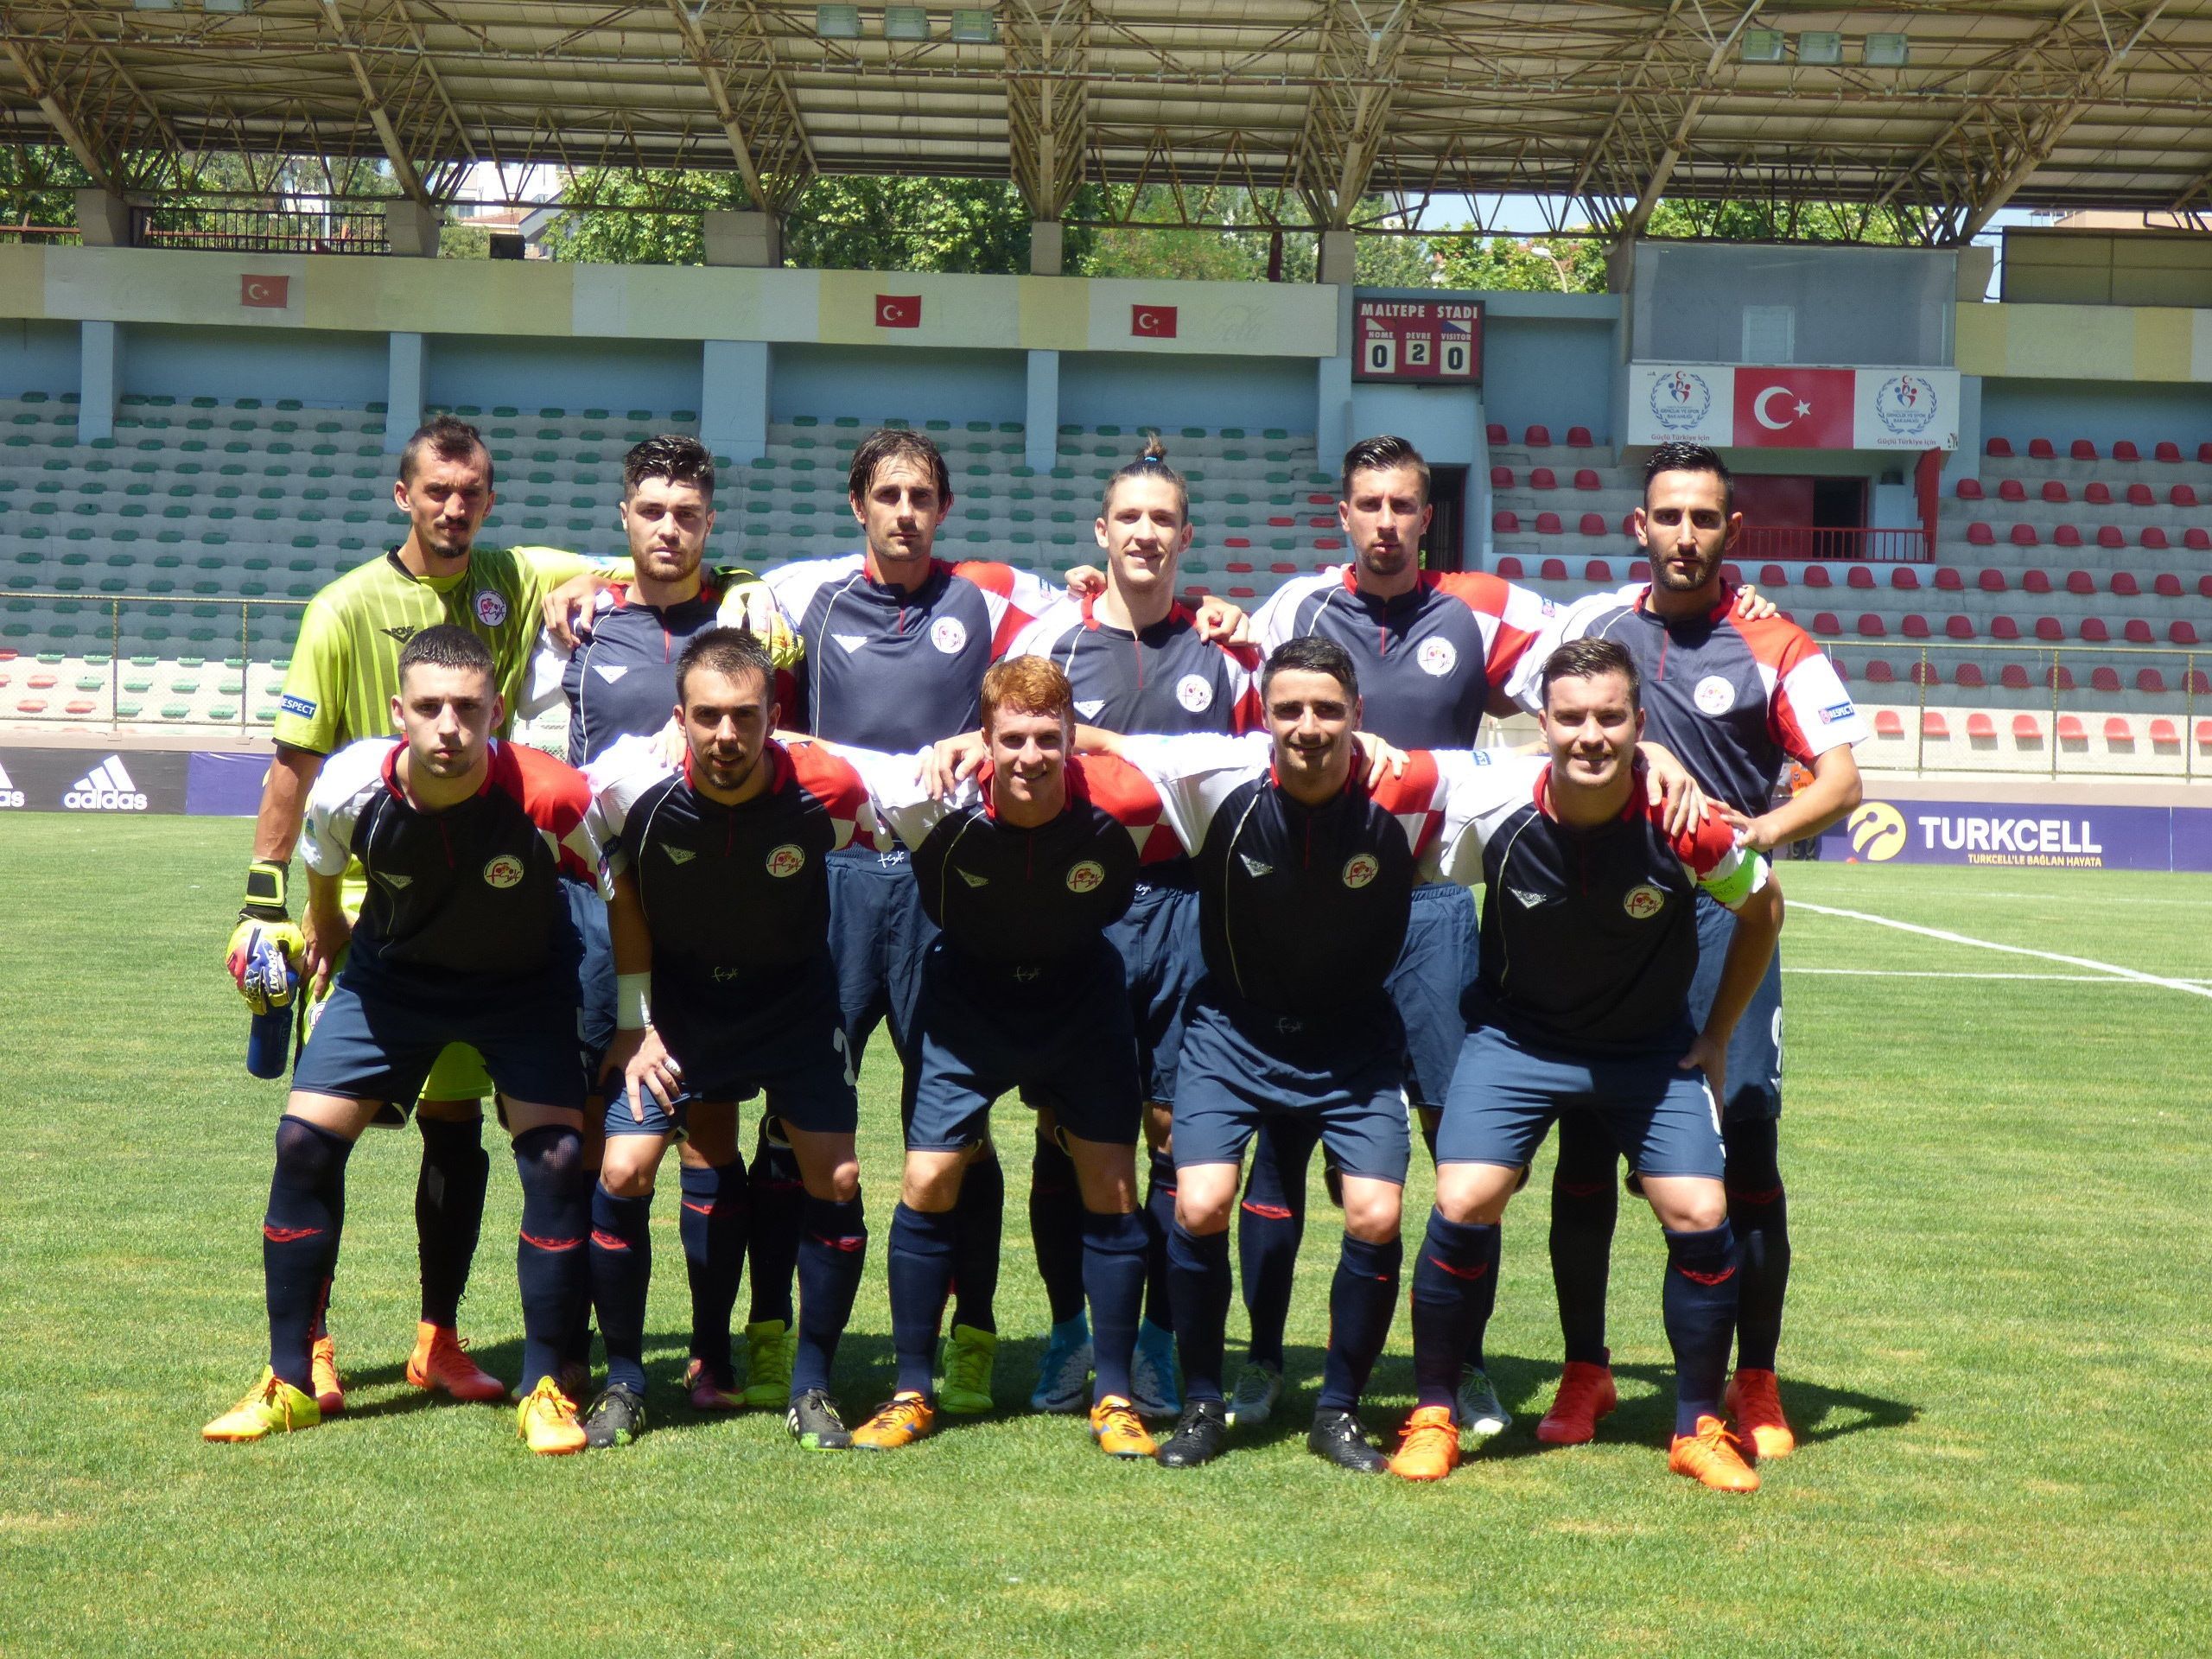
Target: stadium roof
x,y
1604,107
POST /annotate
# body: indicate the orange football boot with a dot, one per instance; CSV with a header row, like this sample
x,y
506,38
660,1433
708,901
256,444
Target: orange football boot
x,y
1428,1446
328,1387
1755,1401
900,1421
440,1361
1585,1394
1118,1429
1713,1456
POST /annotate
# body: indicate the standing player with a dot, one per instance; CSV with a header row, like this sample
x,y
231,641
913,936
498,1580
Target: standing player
x,y
1590,938
339,689
1022,871
1734,696
464,937
619,680
721,915
1135,658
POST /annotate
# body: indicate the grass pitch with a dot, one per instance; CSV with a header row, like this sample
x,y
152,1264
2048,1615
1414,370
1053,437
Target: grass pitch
x,y
1995,1357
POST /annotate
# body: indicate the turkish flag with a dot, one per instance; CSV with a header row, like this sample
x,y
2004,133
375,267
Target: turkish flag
x,y
271,292
1795,408
898,310
1153,321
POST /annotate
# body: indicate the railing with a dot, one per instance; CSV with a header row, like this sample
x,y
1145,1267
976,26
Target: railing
x,y
44,233
262,631
1807,541
253,229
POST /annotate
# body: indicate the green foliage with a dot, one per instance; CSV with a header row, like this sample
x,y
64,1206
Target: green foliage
x,y
1801,221
38,184
1567,265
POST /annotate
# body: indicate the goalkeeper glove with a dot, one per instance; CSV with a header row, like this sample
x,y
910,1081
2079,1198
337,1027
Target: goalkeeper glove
x,y
266,945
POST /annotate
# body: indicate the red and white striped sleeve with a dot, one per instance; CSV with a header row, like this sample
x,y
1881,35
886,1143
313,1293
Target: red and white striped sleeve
x,y
1013,598
1512,618
1478,791
1810,710
1710,851
1247,712
348,780
902,806
1193,775
832,779
1125,794
559,802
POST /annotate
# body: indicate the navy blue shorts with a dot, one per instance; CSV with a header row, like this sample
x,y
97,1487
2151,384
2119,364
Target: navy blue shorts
x,y
786,1045
1507,1093
878,935
595,1012
1066,1044
1159,943
1755,1052
1345,1072
379,1032
1442,950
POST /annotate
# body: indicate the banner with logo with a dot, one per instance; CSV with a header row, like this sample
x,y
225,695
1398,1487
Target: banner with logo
x,y
1793,407
127,781
2024,835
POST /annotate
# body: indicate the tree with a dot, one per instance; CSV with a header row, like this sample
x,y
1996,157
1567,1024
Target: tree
x,y
38,184
1576,266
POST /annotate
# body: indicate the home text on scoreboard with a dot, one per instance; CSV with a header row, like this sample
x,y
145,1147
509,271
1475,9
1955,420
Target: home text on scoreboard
x,y
1418,340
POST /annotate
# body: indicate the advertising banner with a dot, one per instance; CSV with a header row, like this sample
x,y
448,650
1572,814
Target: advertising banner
x,y
225,785
92,780
1793,407
2024,835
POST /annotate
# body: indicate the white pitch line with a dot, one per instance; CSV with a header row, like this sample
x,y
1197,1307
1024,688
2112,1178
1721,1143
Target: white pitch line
x,y
2111,969
1908,973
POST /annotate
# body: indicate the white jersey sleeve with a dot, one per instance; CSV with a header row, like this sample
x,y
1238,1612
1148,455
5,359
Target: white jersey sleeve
x,y
1049,634
1195,775
1810,709
1276,621
349,778
896,795
1480,789
617,779
1526,683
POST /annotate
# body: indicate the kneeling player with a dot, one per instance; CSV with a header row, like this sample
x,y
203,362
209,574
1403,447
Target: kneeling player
x,y
465,937
1589,946
719,910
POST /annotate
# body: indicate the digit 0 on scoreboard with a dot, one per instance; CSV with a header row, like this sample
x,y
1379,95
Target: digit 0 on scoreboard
x,y
1418,340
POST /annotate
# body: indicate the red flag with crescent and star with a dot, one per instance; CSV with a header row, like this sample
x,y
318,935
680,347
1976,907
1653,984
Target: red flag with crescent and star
x,y
270,293
1153,321
898,310
1795,408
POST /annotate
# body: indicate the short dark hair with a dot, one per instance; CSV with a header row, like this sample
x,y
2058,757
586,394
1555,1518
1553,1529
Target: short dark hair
x,y
731,651
1310,653
1152,463
896,443
449,438
1587,658
1381,454
672,456
1690,458
446,646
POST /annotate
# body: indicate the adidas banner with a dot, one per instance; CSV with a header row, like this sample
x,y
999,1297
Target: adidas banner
x,y
94,781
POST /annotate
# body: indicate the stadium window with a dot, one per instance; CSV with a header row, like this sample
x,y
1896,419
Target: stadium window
x,y
1769,333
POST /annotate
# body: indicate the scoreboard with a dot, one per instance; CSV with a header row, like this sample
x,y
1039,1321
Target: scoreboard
x,y
1418,340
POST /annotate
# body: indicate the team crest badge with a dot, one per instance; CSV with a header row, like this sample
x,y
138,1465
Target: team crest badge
x,y
1438,657
504,871
786,860
1643,902
1086,877
1715,694
490,609
1360,869
1194,693
949,634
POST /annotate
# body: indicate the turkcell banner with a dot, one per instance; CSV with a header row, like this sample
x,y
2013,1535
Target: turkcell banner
x,y
2024,835
1793,407
130,781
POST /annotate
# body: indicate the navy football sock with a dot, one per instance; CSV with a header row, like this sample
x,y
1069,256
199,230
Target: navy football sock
x,y
1197,1287
1056,1228
1585,1204
776,1197
832,1250
1700,1307
980,1208
1270,1226
299,1241
1113,1282
1455,1287
712,1225
1759,1209
550,1261
922,1248
1360,1305
621,1269
449,1211
1158,1216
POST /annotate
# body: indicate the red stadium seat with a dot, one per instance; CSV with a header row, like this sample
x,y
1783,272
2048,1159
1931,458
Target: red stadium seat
x,y
2004,627
1732,575
1859,575
1816,576
1878,672
2000,447
1628,522
2026,728
2060,677
1925,674
2066,536
2138,495
1871,626
1593,523
2079,582
2137,632
2082,449
1496,433
1981,535
2049,628
1553,570
1824,622
2013,678
1904,576
1949,579
2181,496
1578,437
2204,453
2155,538
1991,582
1981,726
2098,493
1509,568
2111,536
2166,452
1888,723
2166,585
2165,734
1932,724
2036,581
2124,585
1537,437
2055,491
2071,730
1968,676
2205,587
1547,524
2150,680
2125,451
2104,678
2197,682
1914,626
2094,631
1958,627
1597,570
2024,536
2183,634
1505,523
1773,576
2041,450
1542,478
1501,478
1585,479
2011,489
1970,490
2198,539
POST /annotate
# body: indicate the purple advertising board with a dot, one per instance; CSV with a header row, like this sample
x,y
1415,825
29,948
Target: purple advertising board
x,y
224,786
2009,834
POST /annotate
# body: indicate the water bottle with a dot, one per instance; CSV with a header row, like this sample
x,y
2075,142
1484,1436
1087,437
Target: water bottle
x,y
269,1040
